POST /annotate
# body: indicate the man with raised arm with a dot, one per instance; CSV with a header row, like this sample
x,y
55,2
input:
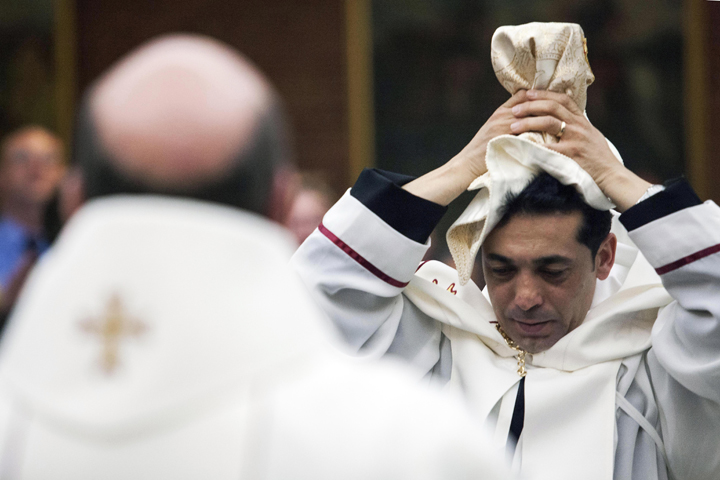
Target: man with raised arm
x,y
593,353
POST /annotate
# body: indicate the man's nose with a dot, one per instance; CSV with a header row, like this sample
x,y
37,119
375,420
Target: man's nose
x,y
527,293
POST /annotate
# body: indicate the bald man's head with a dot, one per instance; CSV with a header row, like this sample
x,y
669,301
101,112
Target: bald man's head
x,y
183,115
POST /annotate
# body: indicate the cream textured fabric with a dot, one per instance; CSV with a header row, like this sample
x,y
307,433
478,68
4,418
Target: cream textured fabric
x,y
543,56
548,56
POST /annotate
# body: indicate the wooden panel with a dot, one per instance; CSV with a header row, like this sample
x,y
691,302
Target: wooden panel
x,y
301,46
65,67
702,96
361,119
712,165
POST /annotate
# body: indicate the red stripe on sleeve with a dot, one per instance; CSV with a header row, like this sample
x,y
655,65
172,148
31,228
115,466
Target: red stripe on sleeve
x,y
687,260
360,259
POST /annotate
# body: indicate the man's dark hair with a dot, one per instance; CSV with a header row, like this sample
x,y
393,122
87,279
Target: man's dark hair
x,y
546,195
245,185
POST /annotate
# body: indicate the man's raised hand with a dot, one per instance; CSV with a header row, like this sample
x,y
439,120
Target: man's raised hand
x,y
544,111
446,183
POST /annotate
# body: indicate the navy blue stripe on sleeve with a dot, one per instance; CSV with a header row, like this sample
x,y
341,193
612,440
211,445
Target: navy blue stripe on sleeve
x,y
678,194
382,193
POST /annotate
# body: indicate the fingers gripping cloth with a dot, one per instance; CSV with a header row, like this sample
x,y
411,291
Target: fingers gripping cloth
x,y
543,56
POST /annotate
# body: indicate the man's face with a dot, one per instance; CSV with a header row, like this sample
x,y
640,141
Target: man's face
x,y
540,279
31,167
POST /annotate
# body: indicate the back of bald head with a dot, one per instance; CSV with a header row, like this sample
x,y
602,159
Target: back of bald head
x,y
183,115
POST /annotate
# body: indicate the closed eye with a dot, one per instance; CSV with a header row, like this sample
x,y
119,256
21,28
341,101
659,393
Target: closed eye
x,y
553,274
502,271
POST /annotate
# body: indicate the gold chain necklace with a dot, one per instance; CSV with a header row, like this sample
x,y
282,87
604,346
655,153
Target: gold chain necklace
x,y
520,352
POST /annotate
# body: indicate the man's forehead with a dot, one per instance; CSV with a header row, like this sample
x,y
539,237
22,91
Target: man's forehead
x,y
535,237
32,139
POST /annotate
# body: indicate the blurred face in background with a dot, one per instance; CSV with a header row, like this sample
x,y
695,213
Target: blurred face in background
x,y
306,213
31,166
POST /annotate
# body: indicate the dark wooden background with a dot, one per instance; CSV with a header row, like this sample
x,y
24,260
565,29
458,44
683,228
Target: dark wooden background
x,y
300,45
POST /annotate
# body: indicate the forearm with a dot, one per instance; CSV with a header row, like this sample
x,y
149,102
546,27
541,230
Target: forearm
x,y
624,188
446,183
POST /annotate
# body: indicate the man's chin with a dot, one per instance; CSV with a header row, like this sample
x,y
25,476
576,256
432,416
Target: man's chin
x,y
534,346
533,340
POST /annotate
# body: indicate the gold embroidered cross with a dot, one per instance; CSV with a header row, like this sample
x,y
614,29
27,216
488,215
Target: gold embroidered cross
x,y
111,328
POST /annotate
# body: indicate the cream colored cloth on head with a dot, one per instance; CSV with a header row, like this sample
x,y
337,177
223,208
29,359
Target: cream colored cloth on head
x,y
543,56
548,56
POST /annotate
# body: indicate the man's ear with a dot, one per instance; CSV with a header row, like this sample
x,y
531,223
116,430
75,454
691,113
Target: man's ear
x,y
605,258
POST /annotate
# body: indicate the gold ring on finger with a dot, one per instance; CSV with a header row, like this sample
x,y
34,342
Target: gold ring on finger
x,y
562,130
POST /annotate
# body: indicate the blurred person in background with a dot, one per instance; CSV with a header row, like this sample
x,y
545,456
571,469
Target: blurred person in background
x,y
31,166
167,337
313,199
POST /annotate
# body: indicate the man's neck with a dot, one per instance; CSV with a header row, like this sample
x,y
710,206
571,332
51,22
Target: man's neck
x,y
28,216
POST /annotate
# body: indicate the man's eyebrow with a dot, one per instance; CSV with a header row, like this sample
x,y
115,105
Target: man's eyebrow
x,y
499,258
552,259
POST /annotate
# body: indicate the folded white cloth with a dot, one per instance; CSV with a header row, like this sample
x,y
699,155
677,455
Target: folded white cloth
x,y
548,56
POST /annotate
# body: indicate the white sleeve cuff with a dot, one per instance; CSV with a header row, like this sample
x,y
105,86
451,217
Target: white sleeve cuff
x,y
376,242
679,235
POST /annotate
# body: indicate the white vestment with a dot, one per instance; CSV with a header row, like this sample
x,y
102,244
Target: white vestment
x,y
654,390
618,397
168,339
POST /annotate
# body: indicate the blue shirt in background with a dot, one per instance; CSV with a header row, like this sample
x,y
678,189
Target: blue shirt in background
x,y
15,240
